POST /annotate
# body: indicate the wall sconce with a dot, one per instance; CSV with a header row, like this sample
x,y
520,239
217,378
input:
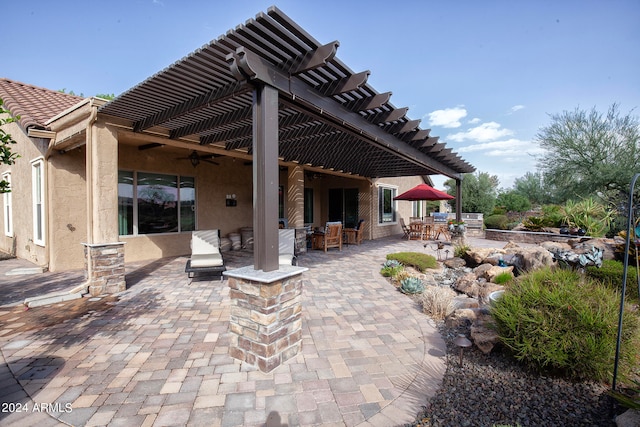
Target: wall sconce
x,y
231,200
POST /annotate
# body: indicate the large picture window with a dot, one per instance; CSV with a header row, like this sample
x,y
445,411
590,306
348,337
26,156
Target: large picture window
x,y
151,203
37,183
386,205
7,208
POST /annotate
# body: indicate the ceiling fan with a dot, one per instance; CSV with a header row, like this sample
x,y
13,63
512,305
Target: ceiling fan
x,y
196,158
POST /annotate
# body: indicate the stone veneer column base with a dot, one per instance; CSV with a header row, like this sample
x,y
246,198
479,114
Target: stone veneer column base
x,y
104,267
266,315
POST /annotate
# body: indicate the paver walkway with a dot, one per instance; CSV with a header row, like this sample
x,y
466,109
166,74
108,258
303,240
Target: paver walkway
x,y
159,356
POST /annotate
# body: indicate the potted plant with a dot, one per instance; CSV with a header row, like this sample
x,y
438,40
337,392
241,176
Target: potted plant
x,y
456,226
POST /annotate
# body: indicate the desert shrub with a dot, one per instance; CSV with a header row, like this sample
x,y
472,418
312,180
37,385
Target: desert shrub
x,y
496,222
588,214
611,272
402,274
460,251
436,301
391,268
563,322
411,285
417,260
552,215
503,278
391,271
534,223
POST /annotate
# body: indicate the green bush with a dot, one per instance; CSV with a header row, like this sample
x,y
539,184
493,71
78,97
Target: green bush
x,y
496,222
502,278
417,260
552,215
560,321
391,271
460,251
611,274
534,223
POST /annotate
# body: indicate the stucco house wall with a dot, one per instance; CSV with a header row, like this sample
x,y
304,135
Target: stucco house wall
x,y
22,244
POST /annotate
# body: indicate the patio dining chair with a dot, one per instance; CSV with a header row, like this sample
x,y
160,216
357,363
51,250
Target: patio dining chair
x,y
332,236
416,231
354,235
405,229
205,254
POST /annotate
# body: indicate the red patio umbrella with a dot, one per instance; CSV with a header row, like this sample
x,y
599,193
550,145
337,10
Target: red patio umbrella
x,y
423,192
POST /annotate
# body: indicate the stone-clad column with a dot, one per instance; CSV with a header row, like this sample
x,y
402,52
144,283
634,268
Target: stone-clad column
x,y
104,266
266,315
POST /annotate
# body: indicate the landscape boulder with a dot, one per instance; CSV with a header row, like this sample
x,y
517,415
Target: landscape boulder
x,y
483,333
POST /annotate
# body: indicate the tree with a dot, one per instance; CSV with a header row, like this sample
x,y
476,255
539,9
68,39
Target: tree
x,y
7,157
590,153
513,201
478,192
533,187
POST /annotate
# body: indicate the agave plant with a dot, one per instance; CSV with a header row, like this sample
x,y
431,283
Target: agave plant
x,y
411,285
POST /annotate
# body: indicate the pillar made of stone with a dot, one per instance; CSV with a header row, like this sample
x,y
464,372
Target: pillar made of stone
x,y
266,315
104,268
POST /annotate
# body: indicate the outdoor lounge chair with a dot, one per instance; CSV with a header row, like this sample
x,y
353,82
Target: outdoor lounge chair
x,y
287,246
205,254
354,235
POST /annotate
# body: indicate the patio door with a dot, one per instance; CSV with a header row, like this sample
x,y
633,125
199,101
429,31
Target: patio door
x,y
343,206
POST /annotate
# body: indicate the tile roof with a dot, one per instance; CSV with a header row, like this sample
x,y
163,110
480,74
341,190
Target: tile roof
x,y
34,105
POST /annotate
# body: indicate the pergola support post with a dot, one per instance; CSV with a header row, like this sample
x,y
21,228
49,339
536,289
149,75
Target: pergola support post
x,y
458,199
265,177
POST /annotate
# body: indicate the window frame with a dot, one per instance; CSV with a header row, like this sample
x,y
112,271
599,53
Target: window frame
x,y
394,209
136,214
7,207
38,200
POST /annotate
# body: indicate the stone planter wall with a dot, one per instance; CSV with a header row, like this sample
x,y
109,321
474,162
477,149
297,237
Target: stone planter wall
x,y
527,236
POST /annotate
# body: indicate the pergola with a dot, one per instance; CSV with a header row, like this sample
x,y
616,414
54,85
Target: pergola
x,y
268,89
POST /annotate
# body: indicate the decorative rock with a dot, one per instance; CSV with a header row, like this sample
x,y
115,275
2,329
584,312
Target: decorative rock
x,y
607,246
461,318
455,262
483,334
630,418
527,259
462,302
481,270
555,246
468,285
477,255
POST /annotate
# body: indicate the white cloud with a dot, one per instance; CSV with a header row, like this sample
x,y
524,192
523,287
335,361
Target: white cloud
x,y
474,121
483,133
517,108
448,118
507,147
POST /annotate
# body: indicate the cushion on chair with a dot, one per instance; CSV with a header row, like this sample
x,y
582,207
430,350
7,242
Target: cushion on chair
x,y
206,260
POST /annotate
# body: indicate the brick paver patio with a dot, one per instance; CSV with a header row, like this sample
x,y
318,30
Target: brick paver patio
x,y
159,356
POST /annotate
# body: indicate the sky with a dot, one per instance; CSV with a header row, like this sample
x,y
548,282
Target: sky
x,y
485,76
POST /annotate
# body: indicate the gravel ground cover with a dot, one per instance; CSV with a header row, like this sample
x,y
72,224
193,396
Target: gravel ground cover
x,y
494,389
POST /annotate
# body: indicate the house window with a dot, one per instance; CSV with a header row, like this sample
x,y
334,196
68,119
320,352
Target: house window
x,y
308,205
151,203
416,209
37,182
386,205
8,218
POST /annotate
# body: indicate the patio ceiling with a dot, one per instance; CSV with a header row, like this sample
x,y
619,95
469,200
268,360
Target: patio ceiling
x,y
328,116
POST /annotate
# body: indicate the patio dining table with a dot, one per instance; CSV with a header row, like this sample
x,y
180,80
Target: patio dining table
x,y
427,230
